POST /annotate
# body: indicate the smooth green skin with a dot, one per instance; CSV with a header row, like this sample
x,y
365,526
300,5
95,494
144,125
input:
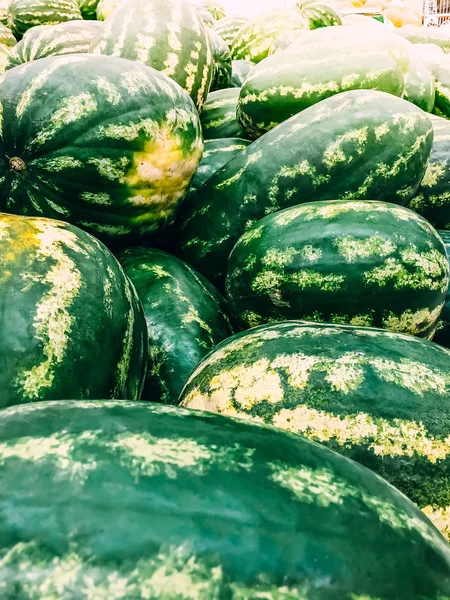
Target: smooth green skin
x,y
385,360
216,154
24,14
59,173
425,35
69,319
239,71
228,27
214,508
271,277
186,317
218,117
284,40
286,83
222,61
73,37
167,35
432,199
442,84
442,335
254,39
419,86
286,167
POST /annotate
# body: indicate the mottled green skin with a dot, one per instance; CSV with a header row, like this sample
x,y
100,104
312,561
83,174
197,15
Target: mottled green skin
x,y
24,14
71,325
222,61
419,85
356,145
88,9
319,15
186,317
215,9
218,117
228,27
286,83
379,398
254,39
442,335
239,71
362,263
216,154
113,151
167,35
442,84
73,37
426,35
432,199
135,500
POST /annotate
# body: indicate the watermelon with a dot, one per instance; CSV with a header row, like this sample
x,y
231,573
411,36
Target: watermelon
x,y
214,8
284,40
363,263
217,153
88,9
419,85
432,199
218,117
4,12
73,37
102,142
359,145
319,15
222,61
7,42
442,83
71,325
442,335
254,39
239,71
228,27
106,8
114,500
186,317
167,35
426,35
24,14
377,397
288,82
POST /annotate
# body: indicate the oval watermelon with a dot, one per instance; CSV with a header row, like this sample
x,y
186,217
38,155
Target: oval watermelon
x,y
24,14
228,27
218,117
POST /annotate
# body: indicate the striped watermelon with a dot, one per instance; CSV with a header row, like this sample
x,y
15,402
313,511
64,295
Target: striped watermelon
x,y
88,9
371,395
186,317
167,35
419,85
363,263
100,141
222,61
442,84
239,71
229,27
114,500
319,15
442,335
71,325
426,35
24,14
214,8
284,40
356,145
73,37
105,8
7,42
218,117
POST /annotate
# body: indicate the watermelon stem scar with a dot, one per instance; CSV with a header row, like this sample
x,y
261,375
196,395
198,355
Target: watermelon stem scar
x,y
17,164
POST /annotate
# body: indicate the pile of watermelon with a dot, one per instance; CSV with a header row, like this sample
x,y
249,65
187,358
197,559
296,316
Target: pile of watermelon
x,y
224,304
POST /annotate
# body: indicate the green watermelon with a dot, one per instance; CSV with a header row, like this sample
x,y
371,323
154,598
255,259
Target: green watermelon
x,y
167,35
102,142
319,15
419,85
426,35
73,37
432,199
442,335
222,61
217,153
442,84
24,14
284,40
7,42
105,8
115,500
71,325
214,8
369,394
239,71
228,27
363,263
288,82
218,117
359,145
254,39
186,317
88,9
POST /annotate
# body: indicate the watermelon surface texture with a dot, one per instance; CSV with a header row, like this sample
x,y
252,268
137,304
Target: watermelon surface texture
x,y
239,71
24,14
362,263
71,325
218,117
426,35
228,27
442,335
222,61
102,142
361,144
186,317
319,15
283,514
377,397
167,35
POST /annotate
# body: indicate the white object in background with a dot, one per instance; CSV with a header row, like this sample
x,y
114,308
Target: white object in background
x,y
250,8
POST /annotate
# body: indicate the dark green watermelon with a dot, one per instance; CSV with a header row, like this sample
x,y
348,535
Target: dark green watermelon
x,y
239,71
222,61
442,335
133,501
218,117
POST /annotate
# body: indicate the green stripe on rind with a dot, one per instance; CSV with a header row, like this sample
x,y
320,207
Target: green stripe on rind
x,y
71,325
228,27
218,117
361,263
426,35
88,9
281,512
442,335
73,37
222,61
442,85
24,14
319,15
167,35
138,143
374,396
357,145
239,71
419,85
